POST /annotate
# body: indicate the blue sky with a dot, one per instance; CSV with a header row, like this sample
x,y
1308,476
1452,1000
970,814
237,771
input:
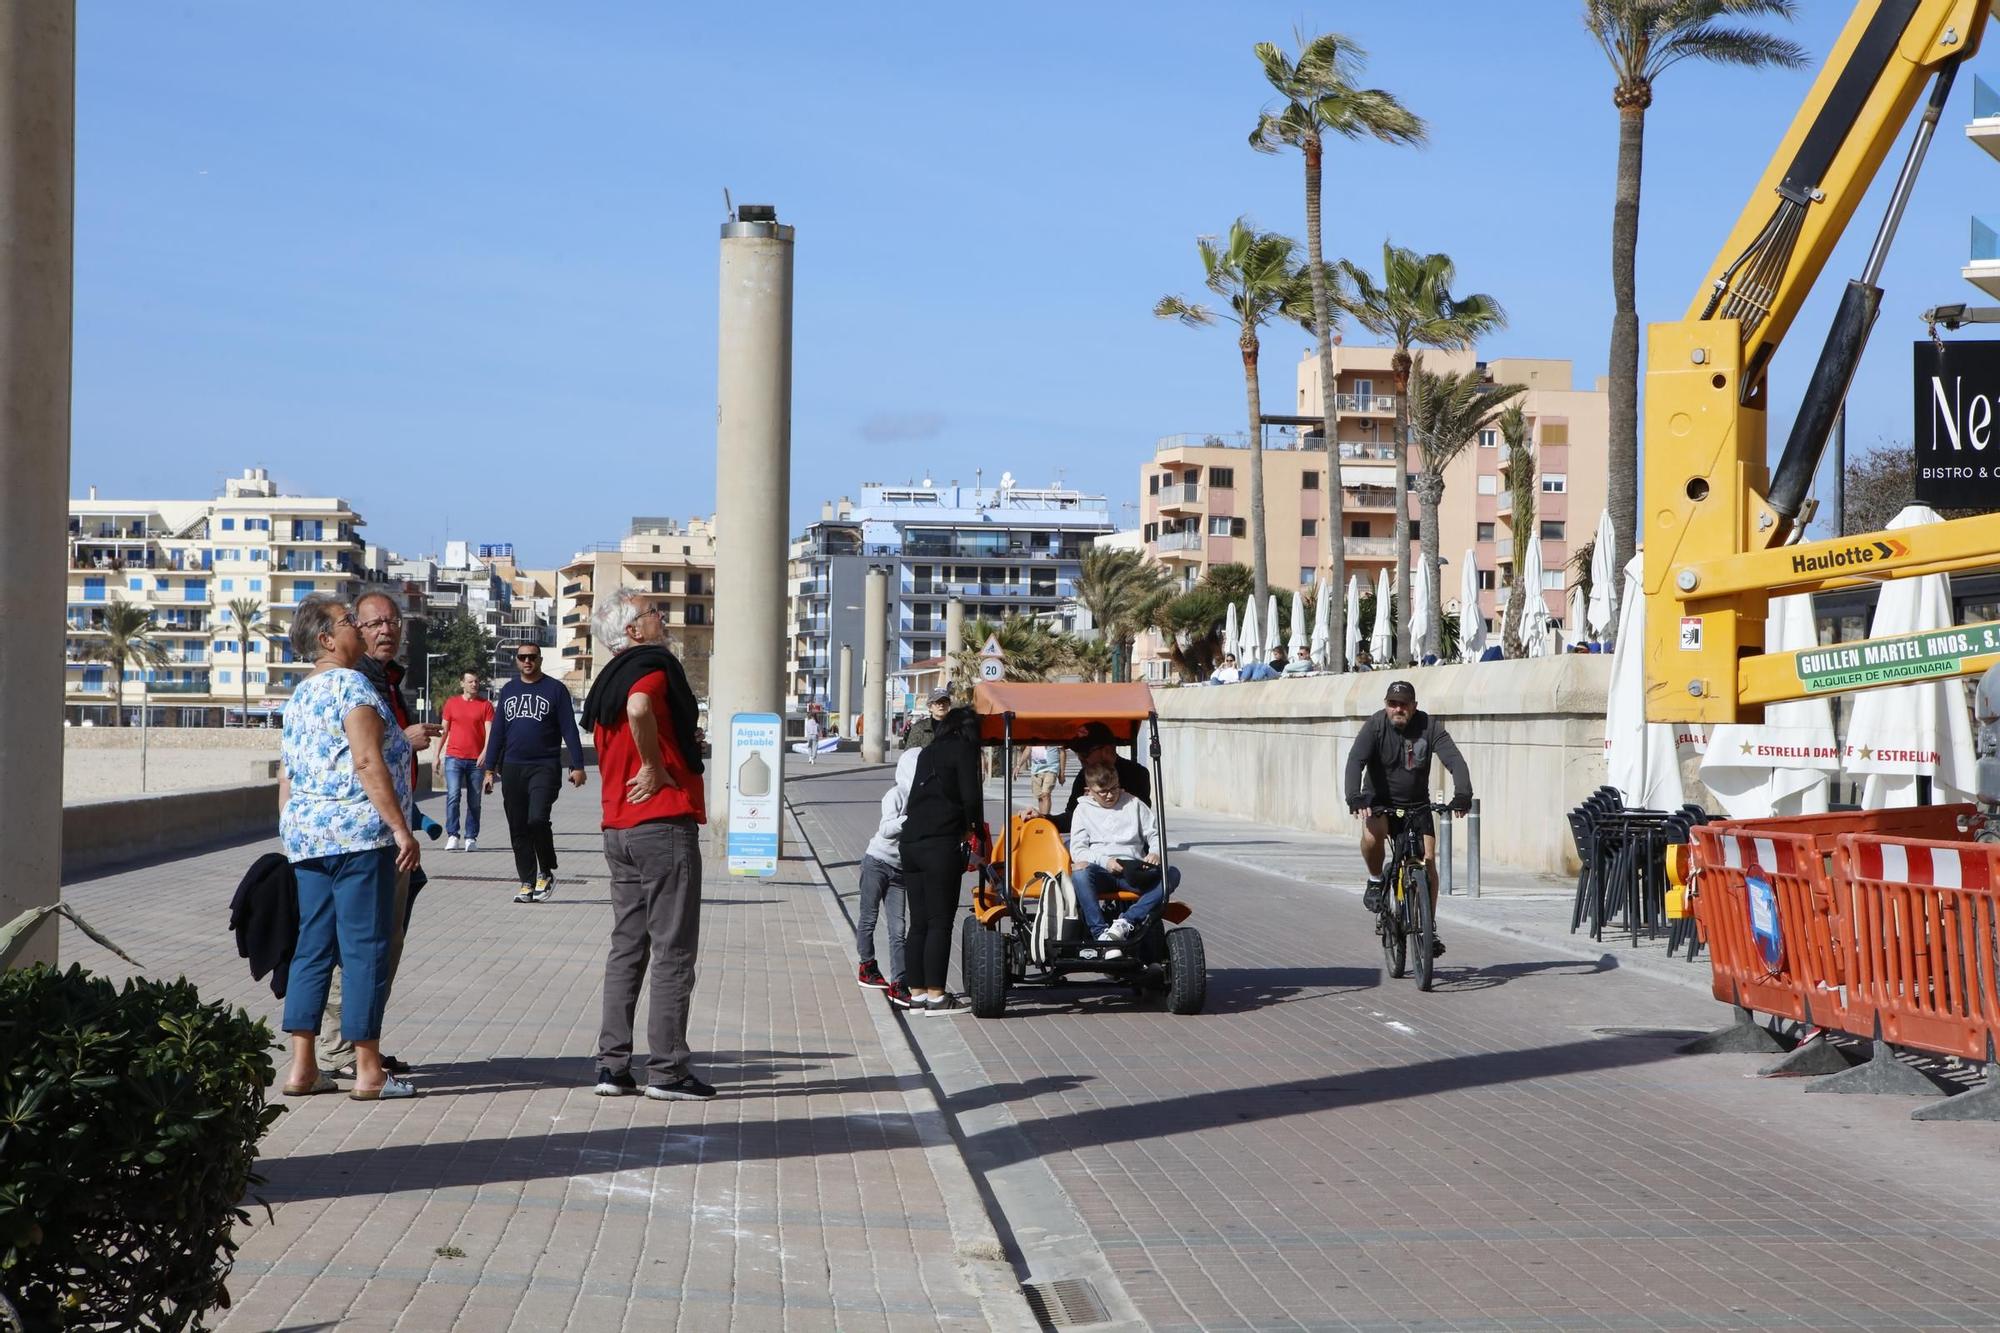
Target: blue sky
x,y
457,261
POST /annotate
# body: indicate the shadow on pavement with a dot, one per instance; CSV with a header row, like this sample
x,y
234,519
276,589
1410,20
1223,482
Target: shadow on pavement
x,y
1238,990
1465,979
402,1167
736,1072
1128,1122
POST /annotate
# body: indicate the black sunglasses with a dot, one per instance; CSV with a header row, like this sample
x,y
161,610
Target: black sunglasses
x,y
527,657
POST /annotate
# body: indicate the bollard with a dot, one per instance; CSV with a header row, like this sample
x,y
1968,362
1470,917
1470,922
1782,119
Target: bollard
x,y
1472,850
1445,853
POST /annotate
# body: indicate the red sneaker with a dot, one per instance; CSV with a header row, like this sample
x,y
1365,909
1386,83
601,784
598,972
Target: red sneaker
x,y
871,976
899,994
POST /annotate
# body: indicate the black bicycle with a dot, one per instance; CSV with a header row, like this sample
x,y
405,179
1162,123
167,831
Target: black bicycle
x,y
1406,915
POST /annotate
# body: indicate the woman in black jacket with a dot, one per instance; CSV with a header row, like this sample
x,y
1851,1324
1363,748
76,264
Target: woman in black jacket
x,y
942,819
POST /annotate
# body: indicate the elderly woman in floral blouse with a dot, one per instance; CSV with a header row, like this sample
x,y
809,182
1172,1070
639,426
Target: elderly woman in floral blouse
x,y
346,784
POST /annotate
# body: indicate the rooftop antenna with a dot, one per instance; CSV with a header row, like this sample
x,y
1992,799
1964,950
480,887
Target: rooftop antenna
x,y
728,206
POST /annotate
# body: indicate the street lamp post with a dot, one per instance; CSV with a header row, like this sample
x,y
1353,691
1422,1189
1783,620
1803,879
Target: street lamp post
x,y
428,659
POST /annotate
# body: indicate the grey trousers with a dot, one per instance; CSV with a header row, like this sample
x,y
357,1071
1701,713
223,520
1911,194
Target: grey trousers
x,y
880,882
335,1050
656,916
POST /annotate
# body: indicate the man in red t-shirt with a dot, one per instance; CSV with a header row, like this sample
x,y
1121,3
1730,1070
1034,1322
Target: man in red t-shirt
x,y
466,717
643,717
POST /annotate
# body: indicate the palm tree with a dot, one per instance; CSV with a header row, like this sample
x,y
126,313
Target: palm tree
x,y
1414,307
1120,589
128,638
1317,97
1033,650
1447,412
1254,274
248,613
1643,39
1521,495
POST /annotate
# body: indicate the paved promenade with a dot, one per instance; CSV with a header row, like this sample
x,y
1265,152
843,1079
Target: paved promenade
x,y
1324,1148
819,1191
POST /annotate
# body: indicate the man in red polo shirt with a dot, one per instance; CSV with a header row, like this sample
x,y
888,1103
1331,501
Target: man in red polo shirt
x,y
644,718
466,717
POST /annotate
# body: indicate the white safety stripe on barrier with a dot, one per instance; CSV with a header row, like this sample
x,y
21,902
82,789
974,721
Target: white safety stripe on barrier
x,y
1767,855
1895,863
1946,870
1732,852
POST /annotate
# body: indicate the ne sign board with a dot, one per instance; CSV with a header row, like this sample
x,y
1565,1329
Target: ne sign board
x,y
1957,436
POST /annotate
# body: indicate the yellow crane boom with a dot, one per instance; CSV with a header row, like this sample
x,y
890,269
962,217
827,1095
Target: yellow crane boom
x,y
1718,527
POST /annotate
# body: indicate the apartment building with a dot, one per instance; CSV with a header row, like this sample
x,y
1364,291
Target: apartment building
x,y
481,582
185,562
671,564
1001,550
1194,492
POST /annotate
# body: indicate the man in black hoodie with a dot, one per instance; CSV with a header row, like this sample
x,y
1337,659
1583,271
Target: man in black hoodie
x,y
534,718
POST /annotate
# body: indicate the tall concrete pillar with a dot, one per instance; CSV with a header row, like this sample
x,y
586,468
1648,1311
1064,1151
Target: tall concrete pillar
x,y
954,634
843,689
753,462
874,664
37,191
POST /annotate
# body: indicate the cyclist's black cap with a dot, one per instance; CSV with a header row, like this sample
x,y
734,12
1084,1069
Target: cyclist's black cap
x,y
1400,691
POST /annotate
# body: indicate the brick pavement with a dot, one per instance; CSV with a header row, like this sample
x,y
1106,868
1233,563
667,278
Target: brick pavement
x,y
818,1191
1522,1149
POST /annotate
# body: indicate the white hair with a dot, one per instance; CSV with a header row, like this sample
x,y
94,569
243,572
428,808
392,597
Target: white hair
x,y
613,614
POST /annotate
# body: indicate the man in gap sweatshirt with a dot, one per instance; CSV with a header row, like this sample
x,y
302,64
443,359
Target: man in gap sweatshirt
x,y
533,719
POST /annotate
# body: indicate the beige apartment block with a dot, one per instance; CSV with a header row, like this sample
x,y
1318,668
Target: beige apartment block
x,y
1194,493
185,562
670,564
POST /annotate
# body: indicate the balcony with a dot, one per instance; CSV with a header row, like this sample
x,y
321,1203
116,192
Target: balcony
x,y
1367,404
1283,439
1370,497
1503,503
1362,452
1985,127
1370,548
1179,496
1982,268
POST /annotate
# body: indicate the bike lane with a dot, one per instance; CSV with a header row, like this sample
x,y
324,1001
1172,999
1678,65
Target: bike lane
x,y
1522,1148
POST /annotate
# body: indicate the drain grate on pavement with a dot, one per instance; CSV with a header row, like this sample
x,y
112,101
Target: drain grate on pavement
x,y
1069,1303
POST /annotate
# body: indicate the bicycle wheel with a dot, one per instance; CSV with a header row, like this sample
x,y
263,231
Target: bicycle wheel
x,y
1423,928
1389,925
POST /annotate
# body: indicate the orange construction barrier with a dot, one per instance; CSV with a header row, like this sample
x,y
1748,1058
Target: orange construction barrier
x,y
1916,922
1789,854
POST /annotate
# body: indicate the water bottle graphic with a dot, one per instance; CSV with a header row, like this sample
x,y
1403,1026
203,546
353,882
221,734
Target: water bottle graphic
x,y
754,777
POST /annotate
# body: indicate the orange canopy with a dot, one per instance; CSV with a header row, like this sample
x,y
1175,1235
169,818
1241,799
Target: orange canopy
x,y
1051,714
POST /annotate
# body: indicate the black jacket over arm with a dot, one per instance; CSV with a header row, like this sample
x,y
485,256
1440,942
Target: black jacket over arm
x,y
264,914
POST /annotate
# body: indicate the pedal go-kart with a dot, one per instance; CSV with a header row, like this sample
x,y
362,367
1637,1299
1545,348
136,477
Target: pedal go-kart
x,y
1009,940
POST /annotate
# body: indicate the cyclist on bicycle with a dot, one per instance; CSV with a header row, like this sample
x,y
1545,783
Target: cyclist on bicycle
x,y
1394,750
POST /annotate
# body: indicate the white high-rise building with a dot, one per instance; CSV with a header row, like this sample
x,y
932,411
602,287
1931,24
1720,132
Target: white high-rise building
x,y
185,562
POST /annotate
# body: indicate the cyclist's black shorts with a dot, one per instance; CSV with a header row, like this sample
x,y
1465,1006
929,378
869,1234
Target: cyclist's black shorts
x,y
1420,820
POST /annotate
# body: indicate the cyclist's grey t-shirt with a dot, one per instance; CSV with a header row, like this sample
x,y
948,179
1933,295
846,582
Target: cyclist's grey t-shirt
x,y
1397,764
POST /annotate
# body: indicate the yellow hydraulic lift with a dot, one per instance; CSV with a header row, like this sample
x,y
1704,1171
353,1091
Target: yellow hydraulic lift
x,y
1719,530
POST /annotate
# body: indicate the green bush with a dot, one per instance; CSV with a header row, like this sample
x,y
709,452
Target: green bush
x,y
129,1120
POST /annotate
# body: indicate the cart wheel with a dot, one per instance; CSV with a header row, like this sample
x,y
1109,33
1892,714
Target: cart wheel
x,y
983,959
1187,972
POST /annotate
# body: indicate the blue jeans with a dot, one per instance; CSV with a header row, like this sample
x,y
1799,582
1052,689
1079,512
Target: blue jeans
x,y
461,776
1091,880
347,917
880,883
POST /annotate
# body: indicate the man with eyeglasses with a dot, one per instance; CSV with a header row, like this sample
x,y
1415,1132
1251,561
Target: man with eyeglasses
x,y
534,717
1393,751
